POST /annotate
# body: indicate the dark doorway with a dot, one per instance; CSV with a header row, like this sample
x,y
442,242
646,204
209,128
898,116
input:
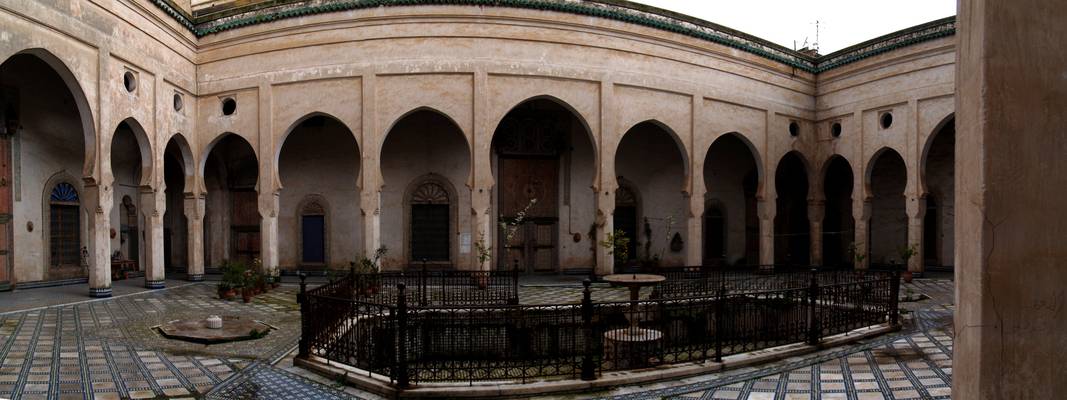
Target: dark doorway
x,y
313,229
430,232
714,235
930,232
838,223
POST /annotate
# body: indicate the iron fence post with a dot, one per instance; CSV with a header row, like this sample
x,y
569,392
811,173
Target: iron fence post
x,y
515,284
588,368
301,298
813,318
401,336
423,284
720,309
894,299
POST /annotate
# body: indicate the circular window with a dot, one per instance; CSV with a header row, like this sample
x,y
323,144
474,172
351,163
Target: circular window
x,y
794,129
835,129
129,81
886,120
229,106
178,102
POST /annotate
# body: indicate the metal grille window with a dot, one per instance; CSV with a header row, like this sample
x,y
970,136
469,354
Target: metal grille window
x,y
65,226
430,224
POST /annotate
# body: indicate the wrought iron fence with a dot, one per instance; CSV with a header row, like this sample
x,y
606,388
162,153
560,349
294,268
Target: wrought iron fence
x,y
409,335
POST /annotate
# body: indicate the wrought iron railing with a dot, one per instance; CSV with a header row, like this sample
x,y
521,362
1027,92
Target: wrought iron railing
x,y
408,334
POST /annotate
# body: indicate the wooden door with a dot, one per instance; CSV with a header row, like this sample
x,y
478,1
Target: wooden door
x,y
313,238
6,215
244,226
534,242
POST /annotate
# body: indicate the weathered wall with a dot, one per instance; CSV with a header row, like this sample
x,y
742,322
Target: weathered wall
x,y
1010,174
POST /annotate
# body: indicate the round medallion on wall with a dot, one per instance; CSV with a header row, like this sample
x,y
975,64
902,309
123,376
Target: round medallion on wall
x,y
29,226
113,233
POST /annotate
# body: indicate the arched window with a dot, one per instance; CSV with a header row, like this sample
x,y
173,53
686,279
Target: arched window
x,y
65,226
430,223
313,231
626,216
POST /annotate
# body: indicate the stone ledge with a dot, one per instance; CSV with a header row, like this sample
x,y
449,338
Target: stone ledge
x,y
381,385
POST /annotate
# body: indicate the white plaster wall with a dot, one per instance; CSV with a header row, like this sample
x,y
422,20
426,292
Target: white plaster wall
x,y
322,161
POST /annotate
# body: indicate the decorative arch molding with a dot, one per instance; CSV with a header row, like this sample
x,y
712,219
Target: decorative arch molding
x,y
936,133
206,153
581,117
144,146
877,155
753,151
296,124
188,161
66,179
86,112
672,133
313,204
392,126
437,190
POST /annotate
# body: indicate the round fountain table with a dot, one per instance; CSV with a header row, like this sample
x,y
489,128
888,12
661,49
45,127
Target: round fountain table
x,y
635,282
633,347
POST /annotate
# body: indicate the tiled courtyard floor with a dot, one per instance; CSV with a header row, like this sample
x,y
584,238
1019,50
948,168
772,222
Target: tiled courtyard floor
x,y
107,349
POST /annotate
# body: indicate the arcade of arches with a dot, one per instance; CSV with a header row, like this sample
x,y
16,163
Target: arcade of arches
x,y
307,160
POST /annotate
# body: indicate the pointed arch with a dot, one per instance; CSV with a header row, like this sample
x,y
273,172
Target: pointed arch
x,y
672,133
144,147
188,162
948,120
296,124
425,199
206,153
581,118
85,111
753,151
388,132
871,162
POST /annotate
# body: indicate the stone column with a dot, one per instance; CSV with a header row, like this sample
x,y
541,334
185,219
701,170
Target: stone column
x,y
482,232
1011,175
916,215
194,215
154,204
861,213
816,212
99,201
268,231
766,208
370,206
605,258
694,254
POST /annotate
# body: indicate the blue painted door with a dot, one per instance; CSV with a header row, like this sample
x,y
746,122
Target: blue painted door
x,y
314,239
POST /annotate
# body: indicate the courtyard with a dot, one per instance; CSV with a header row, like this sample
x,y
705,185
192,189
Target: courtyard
x,y
107,348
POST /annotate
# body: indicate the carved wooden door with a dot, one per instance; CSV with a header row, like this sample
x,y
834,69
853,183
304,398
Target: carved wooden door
x,y
244,226
8,123
529,186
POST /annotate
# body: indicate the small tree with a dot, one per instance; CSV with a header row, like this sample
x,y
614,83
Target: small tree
x,y
619,245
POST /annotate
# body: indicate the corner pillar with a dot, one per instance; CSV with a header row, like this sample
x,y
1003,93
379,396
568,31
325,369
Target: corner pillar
x,y
194,214
268,232
766,208
97,254
154,204
861,213
816,213
916,217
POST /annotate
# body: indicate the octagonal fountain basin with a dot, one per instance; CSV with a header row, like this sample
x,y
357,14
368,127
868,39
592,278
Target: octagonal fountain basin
x,y
199,330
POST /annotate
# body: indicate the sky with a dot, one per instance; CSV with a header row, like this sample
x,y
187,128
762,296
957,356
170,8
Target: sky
x,y
842,23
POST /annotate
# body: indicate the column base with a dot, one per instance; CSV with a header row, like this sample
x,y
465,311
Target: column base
x,y
100,292
195,278
154,284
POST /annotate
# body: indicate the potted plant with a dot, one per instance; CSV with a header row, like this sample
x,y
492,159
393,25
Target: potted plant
x,y
232,280
906,253
857,255
619,245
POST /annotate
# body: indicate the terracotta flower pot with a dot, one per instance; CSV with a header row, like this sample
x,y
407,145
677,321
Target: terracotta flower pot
x,y
907,276
246,295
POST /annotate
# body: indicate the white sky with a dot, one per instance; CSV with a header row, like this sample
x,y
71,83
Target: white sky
x,y
842,23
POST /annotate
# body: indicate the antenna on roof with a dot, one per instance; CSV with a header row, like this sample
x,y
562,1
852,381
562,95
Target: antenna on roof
x,y
815,45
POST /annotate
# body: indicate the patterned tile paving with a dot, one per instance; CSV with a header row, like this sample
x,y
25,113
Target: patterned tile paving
x,y
108,349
